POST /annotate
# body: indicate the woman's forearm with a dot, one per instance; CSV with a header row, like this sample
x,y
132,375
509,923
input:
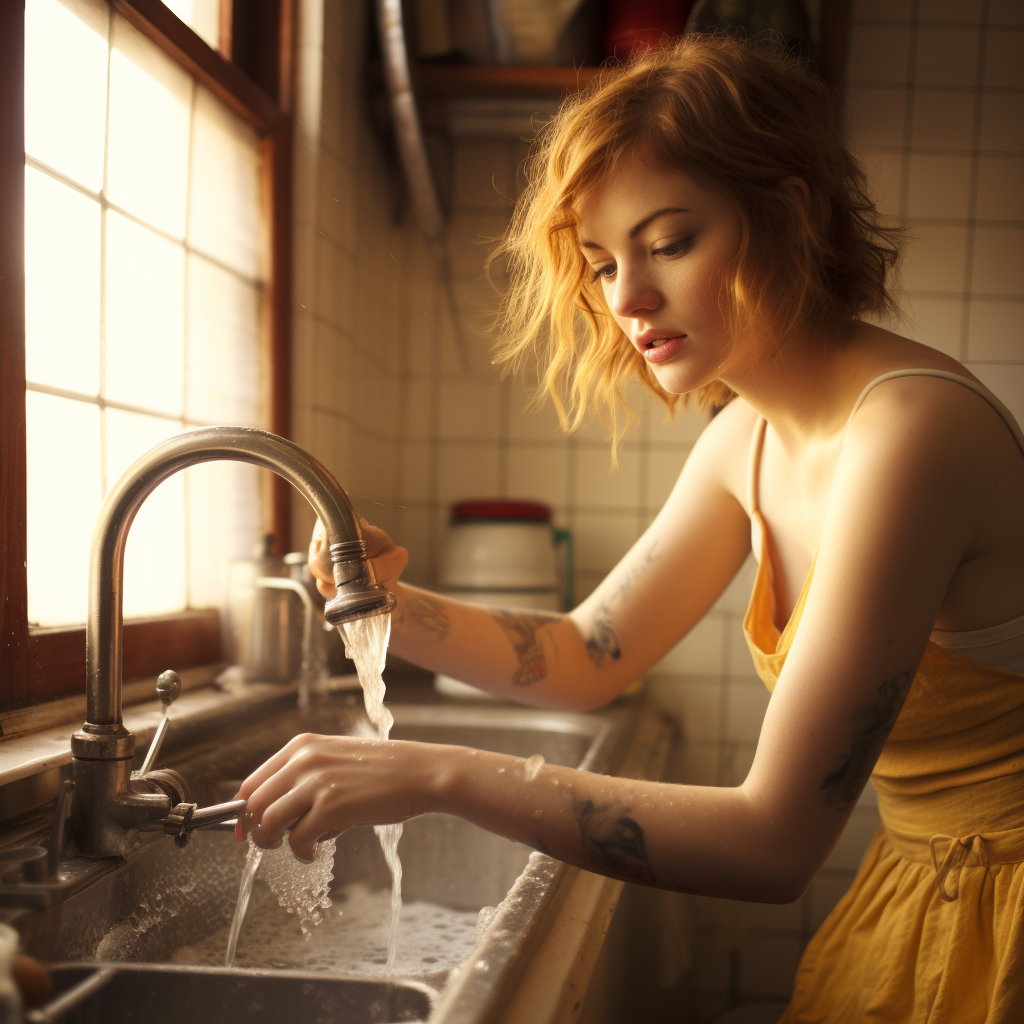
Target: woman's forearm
x,y
533,657
695,839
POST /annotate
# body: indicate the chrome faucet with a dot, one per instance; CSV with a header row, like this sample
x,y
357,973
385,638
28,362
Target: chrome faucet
x,y
109,807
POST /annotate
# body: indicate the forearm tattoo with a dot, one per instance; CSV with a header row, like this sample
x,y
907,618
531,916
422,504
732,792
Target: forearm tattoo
x,y
613,841
429,614
521,630
843,786
603,642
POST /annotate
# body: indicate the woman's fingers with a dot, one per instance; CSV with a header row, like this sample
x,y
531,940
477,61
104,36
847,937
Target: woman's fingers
x,y
272,766
389,560
284,812
320,561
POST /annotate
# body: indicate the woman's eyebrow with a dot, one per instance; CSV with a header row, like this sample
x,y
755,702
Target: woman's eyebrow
x,y
640,225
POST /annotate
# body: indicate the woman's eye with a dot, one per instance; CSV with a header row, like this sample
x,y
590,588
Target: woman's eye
x,y
607,270
675,249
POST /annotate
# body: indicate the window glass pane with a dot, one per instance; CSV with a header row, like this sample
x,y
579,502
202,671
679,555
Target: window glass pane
x,y
223,347
154,559
145,317
62,285
202,16
147,161
66,87
225,519
64,495
224,210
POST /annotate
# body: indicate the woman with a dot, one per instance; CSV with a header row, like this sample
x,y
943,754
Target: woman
x,y
694,220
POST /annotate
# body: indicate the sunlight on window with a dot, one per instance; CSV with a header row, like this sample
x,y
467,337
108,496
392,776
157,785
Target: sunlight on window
x,y
145,317
150,108
202,16
64,499
144,256
154,564
62,285
66,88
225,187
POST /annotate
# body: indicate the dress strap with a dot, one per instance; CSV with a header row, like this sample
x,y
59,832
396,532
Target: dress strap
x,y
754,464
1005,413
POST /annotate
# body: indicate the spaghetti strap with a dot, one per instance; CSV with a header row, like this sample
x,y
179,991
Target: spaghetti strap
x,y
1005,413
754,464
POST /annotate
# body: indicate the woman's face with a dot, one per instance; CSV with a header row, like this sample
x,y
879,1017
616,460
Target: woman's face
x,y
657,242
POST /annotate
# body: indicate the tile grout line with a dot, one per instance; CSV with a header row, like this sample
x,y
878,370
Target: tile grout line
x,y
972,196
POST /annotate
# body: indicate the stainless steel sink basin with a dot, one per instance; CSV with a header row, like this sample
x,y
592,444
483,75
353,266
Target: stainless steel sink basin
x,y
171,907
170,995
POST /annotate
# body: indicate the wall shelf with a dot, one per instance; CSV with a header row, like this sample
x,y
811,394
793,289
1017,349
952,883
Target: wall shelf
x,y
457,81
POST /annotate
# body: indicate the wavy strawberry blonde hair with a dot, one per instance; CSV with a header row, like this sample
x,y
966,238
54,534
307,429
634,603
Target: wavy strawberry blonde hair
x,y
738,118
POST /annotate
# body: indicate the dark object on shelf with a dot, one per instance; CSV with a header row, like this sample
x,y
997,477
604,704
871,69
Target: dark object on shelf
x,y
582,40
633,25
783,20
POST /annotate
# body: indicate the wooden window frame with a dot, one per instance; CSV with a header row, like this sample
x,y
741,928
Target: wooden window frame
x,y
38,664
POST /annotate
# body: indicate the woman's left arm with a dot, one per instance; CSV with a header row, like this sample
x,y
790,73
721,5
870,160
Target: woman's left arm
x,y
899,523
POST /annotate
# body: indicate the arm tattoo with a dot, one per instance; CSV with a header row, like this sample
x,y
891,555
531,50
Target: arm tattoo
x,y
613,841
429,614
521,630
603,641
842,786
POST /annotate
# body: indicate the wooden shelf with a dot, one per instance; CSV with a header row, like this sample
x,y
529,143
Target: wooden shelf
x,y
448,81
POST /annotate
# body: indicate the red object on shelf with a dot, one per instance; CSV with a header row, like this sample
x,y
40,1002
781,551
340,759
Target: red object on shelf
x,y
499,509
632,25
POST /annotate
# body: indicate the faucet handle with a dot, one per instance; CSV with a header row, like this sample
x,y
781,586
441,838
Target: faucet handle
x,y
168,687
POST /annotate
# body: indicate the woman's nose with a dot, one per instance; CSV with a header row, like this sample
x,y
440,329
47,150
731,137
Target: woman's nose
x,y
634,295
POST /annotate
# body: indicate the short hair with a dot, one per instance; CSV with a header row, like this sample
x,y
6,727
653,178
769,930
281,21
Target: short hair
x,y
739,118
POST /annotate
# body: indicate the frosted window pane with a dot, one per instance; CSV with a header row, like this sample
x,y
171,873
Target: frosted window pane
x,y
150,101
154,560
202,16
66,87
223,347
64,495
145,317
224,213
62,285
225,520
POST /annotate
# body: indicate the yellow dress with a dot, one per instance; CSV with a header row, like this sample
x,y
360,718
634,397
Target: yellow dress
x,y
932,929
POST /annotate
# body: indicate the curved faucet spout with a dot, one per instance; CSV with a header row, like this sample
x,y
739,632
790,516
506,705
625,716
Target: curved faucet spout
x,y
103,737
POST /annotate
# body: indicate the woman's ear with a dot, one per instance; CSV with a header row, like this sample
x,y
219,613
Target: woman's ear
x,y
797,192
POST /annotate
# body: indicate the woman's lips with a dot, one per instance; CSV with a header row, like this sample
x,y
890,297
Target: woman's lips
x,y
663,348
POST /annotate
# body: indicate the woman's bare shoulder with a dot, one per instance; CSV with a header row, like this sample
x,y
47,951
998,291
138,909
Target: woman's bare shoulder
x,y
725,443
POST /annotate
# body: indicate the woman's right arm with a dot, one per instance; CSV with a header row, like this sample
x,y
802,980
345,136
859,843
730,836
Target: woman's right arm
x,y
582,659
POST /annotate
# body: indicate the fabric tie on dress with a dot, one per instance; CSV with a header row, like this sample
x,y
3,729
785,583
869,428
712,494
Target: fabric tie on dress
x,y
947,873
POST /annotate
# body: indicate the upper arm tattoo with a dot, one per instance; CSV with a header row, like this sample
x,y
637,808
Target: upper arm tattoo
x,y
521,630
603,641
843,786
429,614
613,841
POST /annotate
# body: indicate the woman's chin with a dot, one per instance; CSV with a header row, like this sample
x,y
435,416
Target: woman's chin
x,y
678,380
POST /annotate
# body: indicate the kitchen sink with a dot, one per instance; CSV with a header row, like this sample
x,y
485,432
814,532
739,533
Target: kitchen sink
x,y
169,995
470,899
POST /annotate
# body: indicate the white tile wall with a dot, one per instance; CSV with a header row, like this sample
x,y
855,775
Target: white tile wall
x,y
935,108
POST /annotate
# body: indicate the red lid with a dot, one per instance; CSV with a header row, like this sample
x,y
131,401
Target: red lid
x,y
499,509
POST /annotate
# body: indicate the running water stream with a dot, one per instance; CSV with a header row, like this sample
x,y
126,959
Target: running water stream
x,y
252,865
366,643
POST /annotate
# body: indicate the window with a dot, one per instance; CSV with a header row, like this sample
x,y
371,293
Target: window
x,y
153,302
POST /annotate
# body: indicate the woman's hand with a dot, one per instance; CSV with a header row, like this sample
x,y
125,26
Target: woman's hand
x,y
388,559
320,786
